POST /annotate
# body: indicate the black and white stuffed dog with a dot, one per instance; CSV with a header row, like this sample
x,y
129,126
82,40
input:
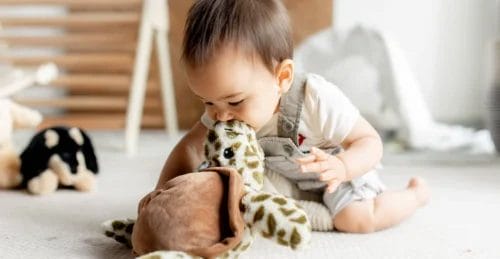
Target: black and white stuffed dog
x,y
59,156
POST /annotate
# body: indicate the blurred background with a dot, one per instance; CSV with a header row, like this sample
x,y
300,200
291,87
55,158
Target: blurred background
x,y
423,72
446,44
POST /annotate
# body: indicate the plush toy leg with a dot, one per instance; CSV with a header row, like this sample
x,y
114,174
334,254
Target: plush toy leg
x,y
62,171
9,168
85,181
45,183
318,215
120,230
9,178
246,242
311,203
277,218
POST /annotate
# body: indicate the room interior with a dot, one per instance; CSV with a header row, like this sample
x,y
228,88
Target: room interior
x,y
433,96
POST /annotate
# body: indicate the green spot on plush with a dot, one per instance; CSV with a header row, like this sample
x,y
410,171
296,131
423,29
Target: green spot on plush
x,y
261,197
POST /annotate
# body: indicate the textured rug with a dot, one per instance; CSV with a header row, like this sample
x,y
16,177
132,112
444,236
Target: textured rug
x,y
461,221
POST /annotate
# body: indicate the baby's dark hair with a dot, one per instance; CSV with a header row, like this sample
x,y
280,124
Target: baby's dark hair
x,y
259,26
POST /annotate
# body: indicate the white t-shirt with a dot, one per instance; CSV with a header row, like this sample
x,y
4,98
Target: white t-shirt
x,y
327,116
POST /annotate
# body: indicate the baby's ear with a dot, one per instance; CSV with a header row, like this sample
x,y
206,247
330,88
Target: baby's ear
x,y
284,74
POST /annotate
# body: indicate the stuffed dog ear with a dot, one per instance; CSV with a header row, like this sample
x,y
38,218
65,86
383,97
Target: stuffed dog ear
x,y
34,158
84,143
88,152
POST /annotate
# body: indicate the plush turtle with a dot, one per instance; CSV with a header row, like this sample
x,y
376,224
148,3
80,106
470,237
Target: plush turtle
x,y
231,146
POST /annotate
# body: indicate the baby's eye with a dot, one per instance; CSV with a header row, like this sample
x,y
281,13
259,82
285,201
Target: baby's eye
x,y
236,103
209,103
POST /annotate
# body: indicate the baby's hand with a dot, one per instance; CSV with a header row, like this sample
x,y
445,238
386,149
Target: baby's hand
x,y
331,169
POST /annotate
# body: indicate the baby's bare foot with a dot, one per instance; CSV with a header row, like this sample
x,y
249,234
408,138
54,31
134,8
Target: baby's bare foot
x,y
421,188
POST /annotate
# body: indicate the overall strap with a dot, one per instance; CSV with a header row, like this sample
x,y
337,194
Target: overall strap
x,y
291,108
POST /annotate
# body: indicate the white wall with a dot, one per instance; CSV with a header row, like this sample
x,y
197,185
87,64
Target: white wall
x,y
445,42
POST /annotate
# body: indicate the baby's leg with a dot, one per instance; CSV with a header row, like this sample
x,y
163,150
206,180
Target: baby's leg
x,y
386,210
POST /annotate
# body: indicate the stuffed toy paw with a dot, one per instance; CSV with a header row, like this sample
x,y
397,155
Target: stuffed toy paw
x,y
13,115
9,167
120,230
59,156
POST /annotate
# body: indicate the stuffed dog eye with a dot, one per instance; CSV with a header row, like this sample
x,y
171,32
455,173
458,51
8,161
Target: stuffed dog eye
x,y
228,153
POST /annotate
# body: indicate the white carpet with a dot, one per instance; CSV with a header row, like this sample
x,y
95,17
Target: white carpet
x,y
461,221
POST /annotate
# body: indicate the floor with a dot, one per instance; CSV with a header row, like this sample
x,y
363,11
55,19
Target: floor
x,y
461,221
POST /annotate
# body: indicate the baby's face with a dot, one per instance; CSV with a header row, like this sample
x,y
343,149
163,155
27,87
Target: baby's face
x,y
236,86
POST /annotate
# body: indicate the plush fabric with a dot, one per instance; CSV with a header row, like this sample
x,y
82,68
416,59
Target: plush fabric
x,y
59,156
210,225
174,220
9,167
12,116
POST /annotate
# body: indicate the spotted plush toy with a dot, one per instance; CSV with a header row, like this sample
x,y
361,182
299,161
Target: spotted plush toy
x,y
273,216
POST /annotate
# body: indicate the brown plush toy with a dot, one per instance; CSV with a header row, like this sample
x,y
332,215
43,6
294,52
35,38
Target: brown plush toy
x,y
215,213
209,226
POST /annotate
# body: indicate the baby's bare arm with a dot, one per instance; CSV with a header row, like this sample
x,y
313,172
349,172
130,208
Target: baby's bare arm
x,y
363,149
186,155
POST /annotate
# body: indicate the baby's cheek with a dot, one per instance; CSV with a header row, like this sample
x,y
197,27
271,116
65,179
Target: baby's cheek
x,y
246,115
254,114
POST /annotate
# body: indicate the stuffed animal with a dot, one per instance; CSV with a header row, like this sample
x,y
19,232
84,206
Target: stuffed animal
x,y
13,115
59,156
232,150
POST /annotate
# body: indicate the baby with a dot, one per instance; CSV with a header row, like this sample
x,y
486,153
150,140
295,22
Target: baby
x,y
238,60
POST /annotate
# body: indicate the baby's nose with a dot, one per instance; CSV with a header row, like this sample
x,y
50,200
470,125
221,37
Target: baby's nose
x,y
224,116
